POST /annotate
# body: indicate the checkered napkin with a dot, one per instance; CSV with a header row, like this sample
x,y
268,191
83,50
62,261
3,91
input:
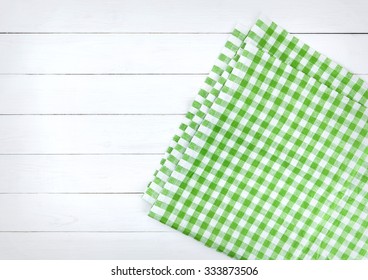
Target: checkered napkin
x,y
270,37
276,164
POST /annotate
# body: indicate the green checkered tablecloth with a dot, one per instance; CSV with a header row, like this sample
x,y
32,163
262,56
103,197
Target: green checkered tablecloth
x,y
271,162
267,36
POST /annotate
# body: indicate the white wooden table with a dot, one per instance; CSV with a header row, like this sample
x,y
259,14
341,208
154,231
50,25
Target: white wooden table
x,y
91,92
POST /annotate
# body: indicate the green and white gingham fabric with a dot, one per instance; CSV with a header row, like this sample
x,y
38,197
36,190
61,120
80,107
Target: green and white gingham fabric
x,y
275,171
270,37
275,167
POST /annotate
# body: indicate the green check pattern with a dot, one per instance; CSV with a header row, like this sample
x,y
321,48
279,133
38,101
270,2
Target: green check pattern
x,y
272,160
270,37
269,173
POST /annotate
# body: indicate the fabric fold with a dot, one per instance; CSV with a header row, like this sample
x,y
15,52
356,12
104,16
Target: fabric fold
x,y
272,160
269,37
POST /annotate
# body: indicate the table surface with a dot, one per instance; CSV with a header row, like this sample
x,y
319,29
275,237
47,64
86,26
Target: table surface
x,y
91,92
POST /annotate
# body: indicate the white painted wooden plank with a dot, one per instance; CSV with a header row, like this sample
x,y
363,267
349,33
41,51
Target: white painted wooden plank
x,y
106,94
75,174
77,212
98,94
109,53
123,246
147,53
179,16
64,134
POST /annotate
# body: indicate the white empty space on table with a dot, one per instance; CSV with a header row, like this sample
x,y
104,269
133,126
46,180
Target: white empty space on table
x,y
91,93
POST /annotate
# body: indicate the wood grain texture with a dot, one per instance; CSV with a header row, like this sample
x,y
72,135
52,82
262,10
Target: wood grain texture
x,y
147,53
98,94
57,134
109,53
76,173
179,16
101,245
77,212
